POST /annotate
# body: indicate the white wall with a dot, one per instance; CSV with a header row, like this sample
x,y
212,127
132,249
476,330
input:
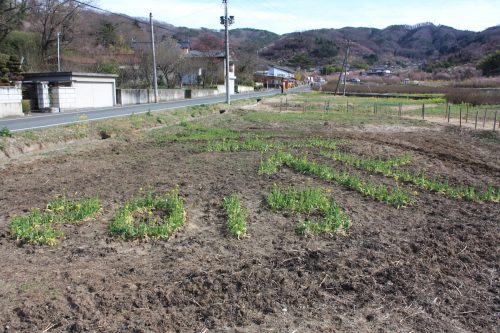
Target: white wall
x,y
196,93
244,89
10,102
144,96
94,94
64,98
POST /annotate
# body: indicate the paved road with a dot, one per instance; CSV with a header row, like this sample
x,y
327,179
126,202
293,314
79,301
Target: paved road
x,y
54,119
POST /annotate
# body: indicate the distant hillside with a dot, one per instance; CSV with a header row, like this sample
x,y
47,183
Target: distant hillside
x,y
93,37
395,44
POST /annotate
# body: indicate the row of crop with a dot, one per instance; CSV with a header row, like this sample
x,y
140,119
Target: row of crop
x,y
258,144
395,196
388,169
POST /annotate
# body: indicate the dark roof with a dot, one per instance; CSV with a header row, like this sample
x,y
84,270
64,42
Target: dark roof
x,y
206,54
66,74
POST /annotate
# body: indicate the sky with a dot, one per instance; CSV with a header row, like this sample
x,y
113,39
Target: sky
x,y
300,15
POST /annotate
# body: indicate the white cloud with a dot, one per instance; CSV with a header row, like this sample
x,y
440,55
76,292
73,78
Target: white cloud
x,y
295,15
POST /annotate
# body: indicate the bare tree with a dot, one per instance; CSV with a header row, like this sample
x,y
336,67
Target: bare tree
x,y
50,17
12,13
170,59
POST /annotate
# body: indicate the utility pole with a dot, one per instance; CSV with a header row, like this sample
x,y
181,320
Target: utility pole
x,y
346,63
58,52
155,78
343,71
226,22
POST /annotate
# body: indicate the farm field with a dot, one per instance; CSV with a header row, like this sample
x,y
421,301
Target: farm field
x,y
312,219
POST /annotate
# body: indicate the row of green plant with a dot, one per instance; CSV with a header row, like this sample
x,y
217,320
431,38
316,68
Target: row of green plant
x,y
394,196
319,213
149,216
369,164
387,168
236,216
194,132
258,144
44,227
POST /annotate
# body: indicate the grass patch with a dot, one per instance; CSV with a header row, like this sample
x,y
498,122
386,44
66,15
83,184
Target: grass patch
x,y
253,144
149,216
45,227
236,216
490,136
387,168
194,132
258,144
339,118
373,165
395,196
311,203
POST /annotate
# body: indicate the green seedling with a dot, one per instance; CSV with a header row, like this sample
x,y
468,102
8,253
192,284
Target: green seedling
x,y
236,216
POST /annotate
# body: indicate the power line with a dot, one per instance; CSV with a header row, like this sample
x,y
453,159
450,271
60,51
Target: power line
x,y
126,16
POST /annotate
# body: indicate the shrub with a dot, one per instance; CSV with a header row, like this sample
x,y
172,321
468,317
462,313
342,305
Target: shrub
x,y
5,132
26,104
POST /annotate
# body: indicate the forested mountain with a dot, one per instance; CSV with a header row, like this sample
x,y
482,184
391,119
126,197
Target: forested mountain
x,y
400,44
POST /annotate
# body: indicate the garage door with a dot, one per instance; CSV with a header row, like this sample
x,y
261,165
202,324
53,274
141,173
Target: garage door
x,y
93,94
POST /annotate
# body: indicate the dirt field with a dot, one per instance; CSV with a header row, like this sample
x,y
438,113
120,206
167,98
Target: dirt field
x,y
431,267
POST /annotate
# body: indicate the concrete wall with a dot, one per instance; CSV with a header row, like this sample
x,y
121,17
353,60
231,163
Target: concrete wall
x,y
197,93
132,96
165,95
64,98
144,96
244,89
10,102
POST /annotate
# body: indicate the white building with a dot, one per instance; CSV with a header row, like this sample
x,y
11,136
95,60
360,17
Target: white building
x,y
278,71
70,90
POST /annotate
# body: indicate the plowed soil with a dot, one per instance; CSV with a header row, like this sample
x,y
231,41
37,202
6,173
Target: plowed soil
x,y
431,267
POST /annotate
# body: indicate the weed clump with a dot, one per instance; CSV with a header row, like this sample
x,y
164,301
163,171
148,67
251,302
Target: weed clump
x,y
44,227
149,216
322,214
